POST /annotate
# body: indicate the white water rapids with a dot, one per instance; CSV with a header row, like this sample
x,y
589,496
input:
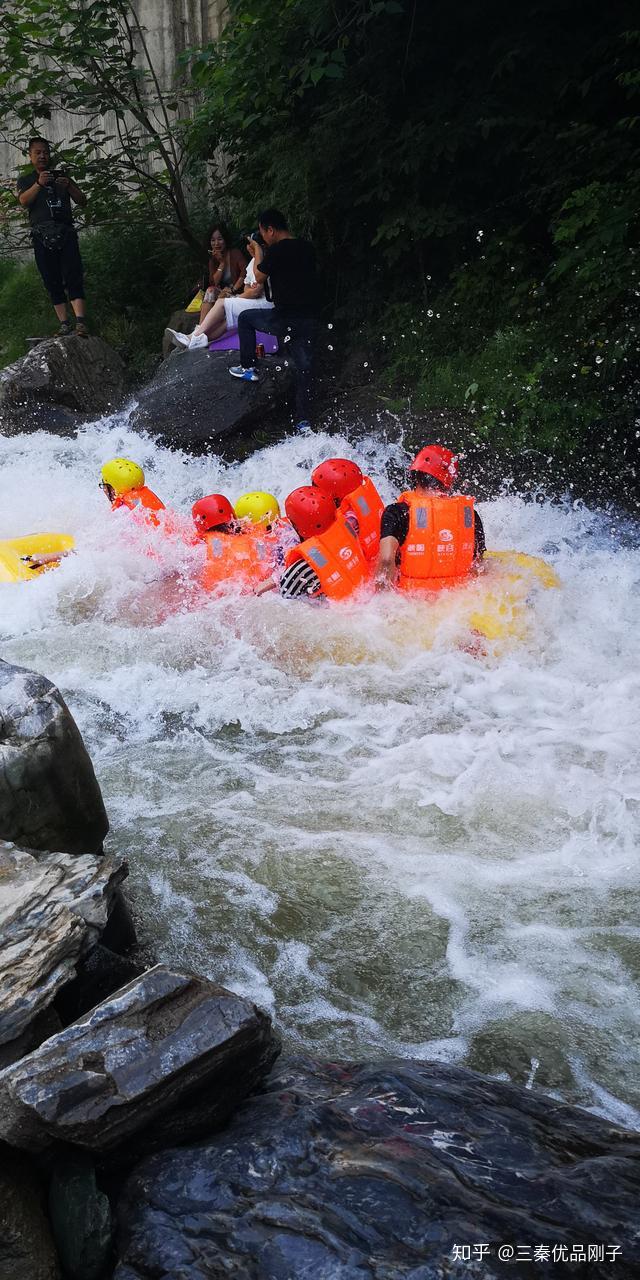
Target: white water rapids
x,y
390,844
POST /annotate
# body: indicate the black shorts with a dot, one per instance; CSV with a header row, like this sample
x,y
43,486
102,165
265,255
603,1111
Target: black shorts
x,y
61,267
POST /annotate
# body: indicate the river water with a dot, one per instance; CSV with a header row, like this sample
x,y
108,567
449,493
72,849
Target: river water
x,y
391,844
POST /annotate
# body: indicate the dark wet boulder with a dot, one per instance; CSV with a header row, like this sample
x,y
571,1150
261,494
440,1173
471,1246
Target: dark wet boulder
x,y
57,380
27,1251
376,1172
193,402
49,796
80,1216
167,1057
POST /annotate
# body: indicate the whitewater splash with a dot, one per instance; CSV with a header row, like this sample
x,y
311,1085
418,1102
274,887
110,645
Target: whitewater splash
x,y
388,842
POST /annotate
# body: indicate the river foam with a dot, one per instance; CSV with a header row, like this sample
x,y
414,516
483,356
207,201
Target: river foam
x,y
392,844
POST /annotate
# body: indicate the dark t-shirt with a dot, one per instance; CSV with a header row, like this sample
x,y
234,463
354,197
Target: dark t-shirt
x,y
395,524
52,204
291,268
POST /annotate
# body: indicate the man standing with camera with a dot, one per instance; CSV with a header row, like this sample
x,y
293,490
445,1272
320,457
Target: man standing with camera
x,y
46,194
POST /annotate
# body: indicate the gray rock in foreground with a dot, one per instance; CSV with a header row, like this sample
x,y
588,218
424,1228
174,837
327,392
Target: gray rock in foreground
x,y
194,402
49,796
57,379
53,908
350,1172
168,1056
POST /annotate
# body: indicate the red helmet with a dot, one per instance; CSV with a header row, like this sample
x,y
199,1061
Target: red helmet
x,y
337,477
310,511
211,511
438,462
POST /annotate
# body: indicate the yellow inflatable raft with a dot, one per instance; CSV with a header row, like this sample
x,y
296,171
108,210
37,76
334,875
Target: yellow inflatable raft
x,y
13,566
505,589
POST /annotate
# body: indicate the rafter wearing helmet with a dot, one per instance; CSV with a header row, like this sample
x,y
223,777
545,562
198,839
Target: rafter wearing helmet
x,y
356,499
430,537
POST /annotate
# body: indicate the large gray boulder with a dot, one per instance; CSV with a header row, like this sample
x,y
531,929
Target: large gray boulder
x,y
60,382
193,402
377,1172
49,796
27,1251
167,1056
53,908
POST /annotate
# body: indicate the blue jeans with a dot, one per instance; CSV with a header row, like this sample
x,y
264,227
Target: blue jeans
x,y
302,333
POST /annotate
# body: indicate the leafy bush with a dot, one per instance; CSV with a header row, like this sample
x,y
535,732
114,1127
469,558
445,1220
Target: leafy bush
x,y
134,280
479,162
25,310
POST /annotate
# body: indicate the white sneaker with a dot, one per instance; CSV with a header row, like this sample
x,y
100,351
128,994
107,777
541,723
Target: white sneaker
x,y
182,339
198,340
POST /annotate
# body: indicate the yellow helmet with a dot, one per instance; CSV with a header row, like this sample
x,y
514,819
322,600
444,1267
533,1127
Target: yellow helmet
x,y
122,474
261,508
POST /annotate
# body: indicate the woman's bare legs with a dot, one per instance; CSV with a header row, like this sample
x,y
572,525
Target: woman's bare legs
x,y
215,319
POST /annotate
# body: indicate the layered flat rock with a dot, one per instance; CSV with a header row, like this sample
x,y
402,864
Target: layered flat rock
x,y
168,1056
53,908
59,382
49,796
379,1172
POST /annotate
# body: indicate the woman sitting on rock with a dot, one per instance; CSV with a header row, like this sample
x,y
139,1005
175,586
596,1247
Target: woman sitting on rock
x,y
225,311
226,268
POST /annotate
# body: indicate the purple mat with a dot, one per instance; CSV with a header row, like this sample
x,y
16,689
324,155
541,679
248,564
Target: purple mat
x,y
231,342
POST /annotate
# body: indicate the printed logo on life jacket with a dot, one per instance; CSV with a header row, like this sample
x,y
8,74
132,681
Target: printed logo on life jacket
x,y
445,535
345,553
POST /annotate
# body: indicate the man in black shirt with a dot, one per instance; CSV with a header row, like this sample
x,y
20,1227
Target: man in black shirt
x,y
289,265
47,194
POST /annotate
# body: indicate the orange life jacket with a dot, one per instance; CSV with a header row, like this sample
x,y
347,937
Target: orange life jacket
x,y
438,549
246,557
141,500
337,559
367,506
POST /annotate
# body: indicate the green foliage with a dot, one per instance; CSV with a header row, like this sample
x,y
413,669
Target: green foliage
x,y
481,158
25,310
133,284
90,59
512,386
134,281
